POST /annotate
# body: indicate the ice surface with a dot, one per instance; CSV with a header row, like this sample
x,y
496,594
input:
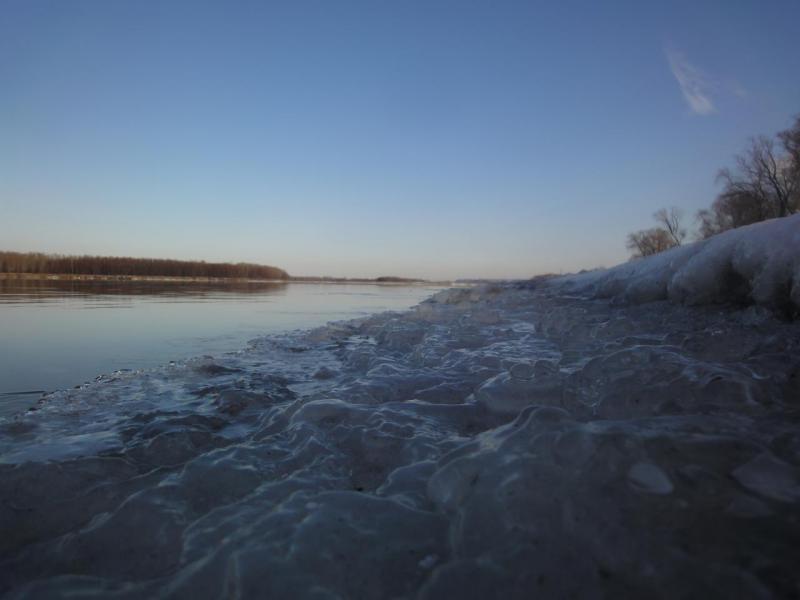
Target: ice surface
x,y
502,441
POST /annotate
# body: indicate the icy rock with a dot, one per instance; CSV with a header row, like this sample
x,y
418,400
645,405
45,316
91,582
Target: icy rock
x,y
466,296
770,477
429,561
406,484
650,479
522,371
387,370
232,402
450,486
486,317
545,368
208,367
400,335
318,411
324,373
505,395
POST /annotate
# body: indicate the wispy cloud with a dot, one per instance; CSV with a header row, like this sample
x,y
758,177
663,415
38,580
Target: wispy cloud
x,y
739,90
694,84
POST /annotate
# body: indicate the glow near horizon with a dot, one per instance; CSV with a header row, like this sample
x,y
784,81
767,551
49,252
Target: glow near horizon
x,y
438,140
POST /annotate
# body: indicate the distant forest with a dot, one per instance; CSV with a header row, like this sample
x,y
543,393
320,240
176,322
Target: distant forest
x,y
54,264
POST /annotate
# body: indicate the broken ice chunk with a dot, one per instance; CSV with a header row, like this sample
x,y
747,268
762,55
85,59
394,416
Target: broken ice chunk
x,y
429,561
770,477
324,373
650,479
508,393
522,371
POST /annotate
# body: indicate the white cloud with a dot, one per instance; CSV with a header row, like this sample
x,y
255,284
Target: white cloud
x,y
693,83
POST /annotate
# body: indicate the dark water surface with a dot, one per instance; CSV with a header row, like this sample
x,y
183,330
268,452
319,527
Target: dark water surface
x,y
58,334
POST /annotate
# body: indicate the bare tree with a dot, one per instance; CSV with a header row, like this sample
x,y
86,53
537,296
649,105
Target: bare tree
x,y
647,242
669,233
732,210
762,176
671,221
764,184
790,140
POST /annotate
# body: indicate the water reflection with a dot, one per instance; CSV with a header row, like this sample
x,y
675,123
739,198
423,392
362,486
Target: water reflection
x,y
35,290
56,334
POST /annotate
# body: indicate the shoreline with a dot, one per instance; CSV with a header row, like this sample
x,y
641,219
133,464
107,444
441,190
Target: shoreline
x,y
541,418
172,279
636,428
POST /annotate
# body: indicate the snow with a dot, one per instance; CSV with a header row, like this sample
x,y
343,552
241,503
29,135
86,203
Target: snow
x,y
757,264
559,439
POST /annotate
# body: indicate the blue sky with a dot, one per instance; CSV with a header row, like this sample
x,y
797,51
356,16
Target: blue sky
x,y
430,138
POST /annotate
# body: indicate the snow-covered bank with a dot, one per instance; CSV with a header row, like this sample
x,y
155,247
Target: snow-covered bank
x,y
757,264
493,442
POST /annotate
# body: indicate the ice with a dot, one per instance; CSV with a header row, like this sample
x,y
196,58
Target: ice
x,y
770,477
756,264
542,439
649,478
507,394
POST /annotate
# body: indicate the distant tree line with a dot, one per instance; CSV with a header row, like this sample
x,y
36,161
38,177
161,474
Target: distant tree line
x,y
393,279
55,264
763,184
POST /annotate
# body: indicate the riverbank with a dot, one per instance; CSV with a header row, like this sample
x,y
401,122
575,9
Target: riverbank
x,y
489,440
221,280
136,278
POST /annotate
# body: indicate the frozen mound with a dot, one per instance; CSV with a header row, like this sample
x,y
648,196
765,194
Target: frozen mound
x,y
494,442
758,264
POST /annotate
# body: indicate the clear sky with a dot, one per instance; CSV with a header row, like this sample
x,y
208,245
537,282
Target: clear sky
x,y
421,138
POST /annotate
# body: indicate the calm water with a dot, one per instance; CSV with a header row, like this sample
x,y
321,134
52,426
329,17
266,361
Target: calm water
x,y
58,334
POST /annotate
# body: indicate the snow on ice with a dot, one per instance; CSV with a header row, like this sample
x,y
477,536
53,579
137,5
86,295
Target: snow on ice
x,y
757,264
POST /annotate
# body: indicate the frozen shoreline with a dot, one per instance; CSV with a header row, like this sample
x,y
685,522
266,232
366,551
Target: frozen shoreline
x,y
502,441
757,264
